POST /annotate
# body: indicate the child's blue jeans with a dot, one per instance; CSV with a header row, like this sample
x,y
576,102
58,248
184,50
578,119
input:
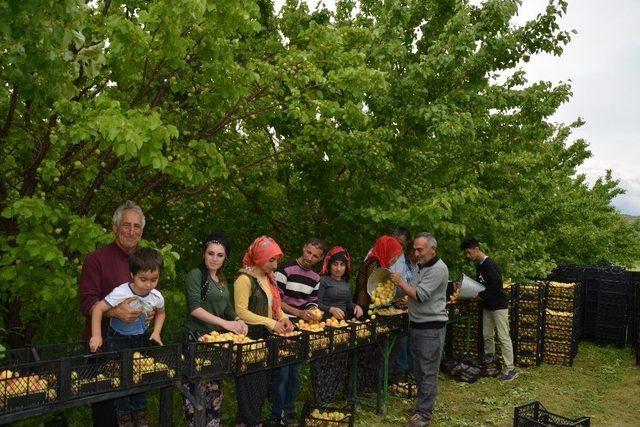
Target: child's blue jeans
x,y
116,341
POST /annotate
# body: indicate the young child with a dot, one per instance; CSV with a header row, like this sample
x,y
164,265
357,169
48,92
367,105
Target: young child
x,y
145,266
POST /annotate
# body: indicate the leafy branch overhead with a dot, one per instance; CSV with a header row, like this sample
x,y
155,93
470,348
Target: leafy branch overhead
x,y
232,116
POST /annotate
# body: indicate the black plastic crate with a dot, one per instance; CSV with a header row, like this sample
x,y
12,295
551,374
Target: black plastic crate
x,y
620,299
533,414
250,357
614,334
568,347
365,332
153,364
286,350
85,373
403,385
537,325
528,334
527,358
392,324
207,359
527,306
564,359
530,291
17,356
534,320
26,382
572,292
612,313
589,327
317,343
633,319
528,345
100,372
561,304
343,338
561,334
559,321
314,416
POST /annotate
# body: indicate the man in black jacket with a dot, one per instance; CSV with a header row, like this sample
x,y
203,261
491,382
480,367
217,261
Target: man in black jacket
x,y
495,312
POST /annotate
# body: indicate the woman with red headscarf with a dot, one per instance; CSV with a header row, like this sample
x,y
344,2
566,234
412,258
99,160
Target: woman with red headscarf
x,y
257,302
386,250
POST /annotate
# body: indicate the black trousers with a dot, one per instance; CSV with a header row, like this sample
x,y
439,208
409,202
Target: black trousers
x,y
252,390
103,414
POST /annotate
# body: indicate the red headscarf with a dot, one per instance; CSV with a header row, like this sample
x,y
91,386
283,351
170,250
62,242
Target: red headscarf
x,y
327,260
262,250
384,250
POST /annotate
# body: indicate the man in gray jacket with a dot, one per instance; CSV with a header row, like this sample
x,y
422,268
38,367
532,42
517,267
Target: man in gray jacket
x,y
427,320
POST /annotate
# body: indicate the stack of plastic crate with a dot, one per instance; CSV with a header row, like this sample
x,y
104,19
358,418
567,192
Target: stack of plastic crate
x,y
457,332
613,307
528,311
562,323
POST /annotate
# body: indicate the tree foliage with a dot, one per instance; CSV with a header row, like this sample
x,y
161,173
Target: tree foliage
x,y
339,124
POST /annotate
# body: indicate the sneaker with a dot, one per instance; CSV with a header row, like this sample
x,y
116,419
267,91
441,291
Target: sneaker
x,y
418,420
509,375
140,418
275,422
125,420
410,412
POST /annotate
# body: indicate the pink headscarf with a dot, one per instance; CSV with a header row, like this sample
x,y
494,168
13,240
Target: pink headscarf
x,y
384,250
260,251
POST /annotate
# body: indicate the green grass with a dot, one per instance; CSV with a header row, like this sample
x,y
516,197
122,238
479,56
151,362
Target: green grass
x,y
603,383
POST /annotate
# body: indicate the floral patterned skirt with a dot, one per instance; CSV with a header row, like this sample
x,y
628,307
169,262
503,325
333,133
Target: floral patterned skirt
x,y
212,403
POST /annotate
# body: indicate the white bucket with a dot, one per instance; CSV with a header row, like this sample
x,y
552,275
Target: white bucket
x,y
469,288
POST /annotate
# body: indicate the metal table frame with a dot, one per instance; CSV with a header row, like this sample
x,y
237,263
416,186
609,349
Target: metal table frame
x,y
382,396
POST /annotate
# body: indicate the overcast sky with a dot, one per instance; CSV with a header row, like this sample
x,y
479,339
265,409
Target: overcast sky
x,y
602,63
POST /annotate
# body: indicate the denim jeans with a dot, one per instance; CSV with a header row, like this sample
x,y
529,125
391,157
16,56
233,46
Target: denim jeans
x,y
402,358
116,341
285,387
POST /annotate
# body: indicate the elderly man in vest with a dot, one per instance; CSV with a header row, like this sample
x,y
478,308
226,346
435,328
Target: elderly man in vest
x,y
427,320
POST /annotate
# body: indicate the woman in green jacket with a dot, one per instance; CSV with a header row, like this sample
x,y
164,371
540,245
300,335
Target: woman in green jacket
x,y
209,308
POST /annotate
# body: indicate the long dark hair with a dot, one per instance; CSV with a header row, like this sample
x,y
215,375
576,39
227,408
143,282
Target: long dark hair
x,y
217,238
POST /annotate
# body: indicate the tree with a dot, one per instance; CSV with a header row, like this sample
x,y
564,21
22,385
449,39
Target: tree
x,y
231,116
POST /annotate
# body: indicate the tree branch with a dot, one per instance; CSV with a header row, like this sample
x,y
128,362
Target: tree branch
x,y
208,184
94,93
145,188
83,207
105,9
29,175
12,109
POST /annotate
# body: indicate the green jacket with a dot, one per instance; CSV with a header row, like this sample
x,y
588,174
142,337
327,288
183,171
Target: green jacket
x,y
216,302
